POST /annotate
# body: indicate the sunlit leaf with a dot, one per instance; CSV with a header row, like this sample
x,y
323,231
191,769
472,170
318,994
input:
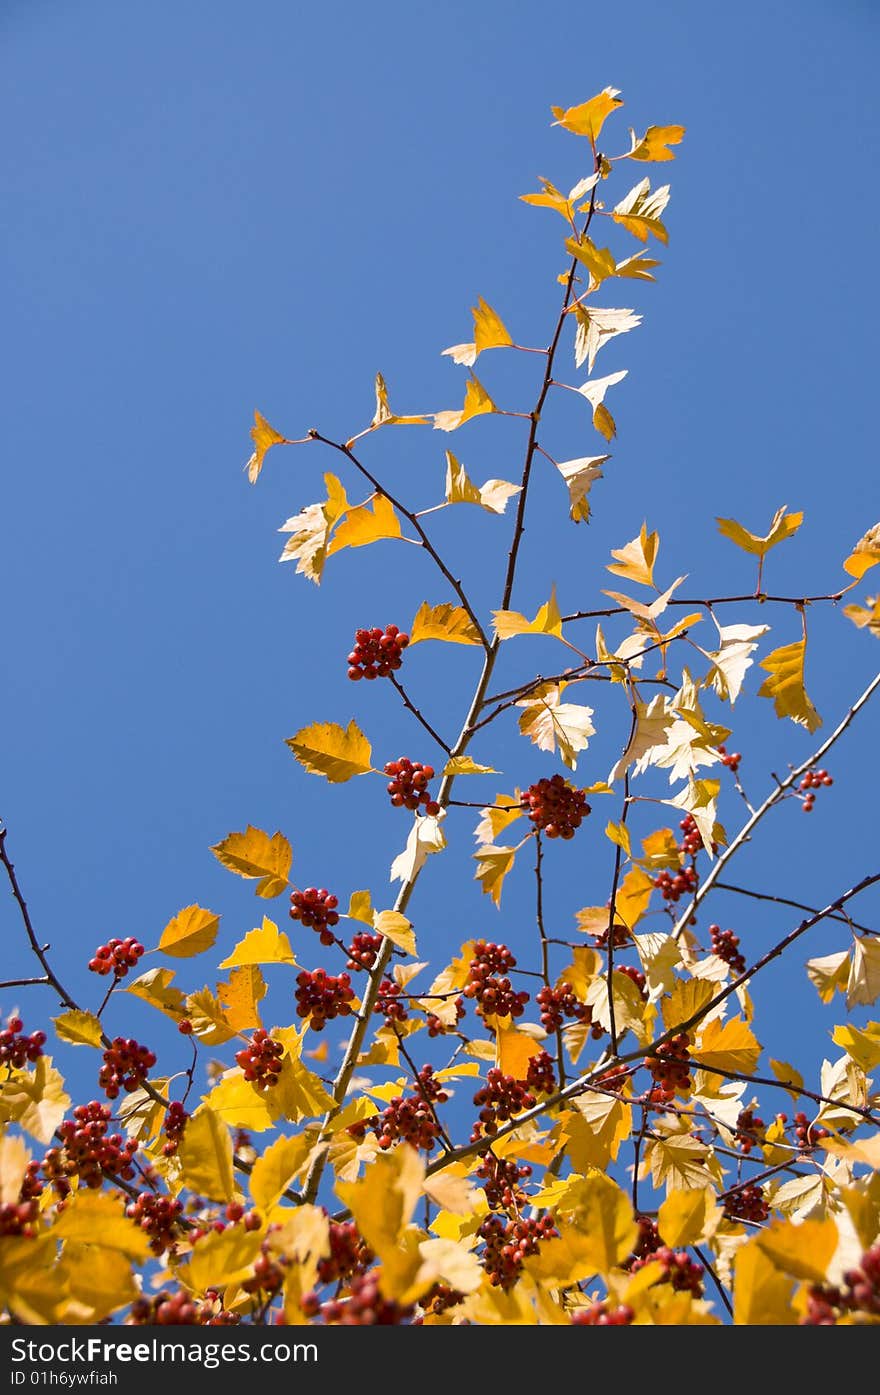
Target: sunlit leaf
x,y
253,854
264,437
191,931
589,118
445,622
655,143
338,753
785,685
78,1028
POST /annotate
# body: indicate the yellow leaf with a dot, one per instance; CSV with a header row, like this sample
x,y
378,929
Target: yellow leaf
x,y
209,1022
598,260
493,865
788,1076
580,475
446,622
476,403
383,1201
192,931
492,496
254,854
239,997
489,329
864,1212
865,618
594,391
863,984
861,1045
639,212
205,1154
97,1215
99,1278
636,560
589,118
235,1101
803,1250
654,144
222,1258
360,907
688,996
865,554
595,1129
263,436
305,1238
325,748
311,529
786,685
448,1262
633,896
366,525
384,415
396,928
514,1049
464,765
35,1100
679,1161
552,724
601,1235
829,974
265,944
504,810
660,850
686,1216
14,1158
783,525
730,1046
425,838
154,988
78,1028
299,1093
548,621
275,1170
618,834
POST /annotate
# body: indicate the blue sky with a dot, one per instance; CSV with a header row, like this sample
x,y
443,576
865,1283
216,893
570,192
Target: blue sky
x,y
216,207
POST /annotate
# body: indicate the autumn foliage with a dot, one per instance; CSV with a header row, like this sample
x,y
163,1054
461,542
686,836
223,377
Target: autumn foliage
x,y
588,1134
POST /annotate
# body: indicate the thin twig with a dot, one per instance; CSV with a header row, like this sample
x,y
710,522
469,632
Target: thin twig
x,y
419,716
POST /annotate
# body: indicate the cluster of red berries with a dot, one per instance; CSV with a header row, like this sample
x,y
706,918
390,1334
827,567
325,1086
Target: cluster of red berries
x,y
731,760
391,1002
648,1240
412,1119
725,945
670,1066
20,1217
269,1271
16,1049
116,957
173,1127
813,780
488,982
691,839
680,1270
501,1178
439,1299
603,1315
158,1217
261,1059
376,653
87,1151
349,1253
749,1129
555,807
234,1213
126,1066
540,1074
180,1309
558,1003
363,950
408,786
747,1203
316,910
620,937
364,1306
635,975
437,1028
808,1135
498,1100
672,888
860,1293
508,1243
321,996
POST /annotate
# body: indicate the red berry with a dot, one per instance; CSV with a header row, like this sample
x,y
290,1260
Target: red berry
x,y
376,653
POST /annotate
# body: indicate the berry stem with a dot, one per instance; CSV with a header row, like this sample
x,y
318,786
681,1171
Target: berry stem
x,y
419,715
545,948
